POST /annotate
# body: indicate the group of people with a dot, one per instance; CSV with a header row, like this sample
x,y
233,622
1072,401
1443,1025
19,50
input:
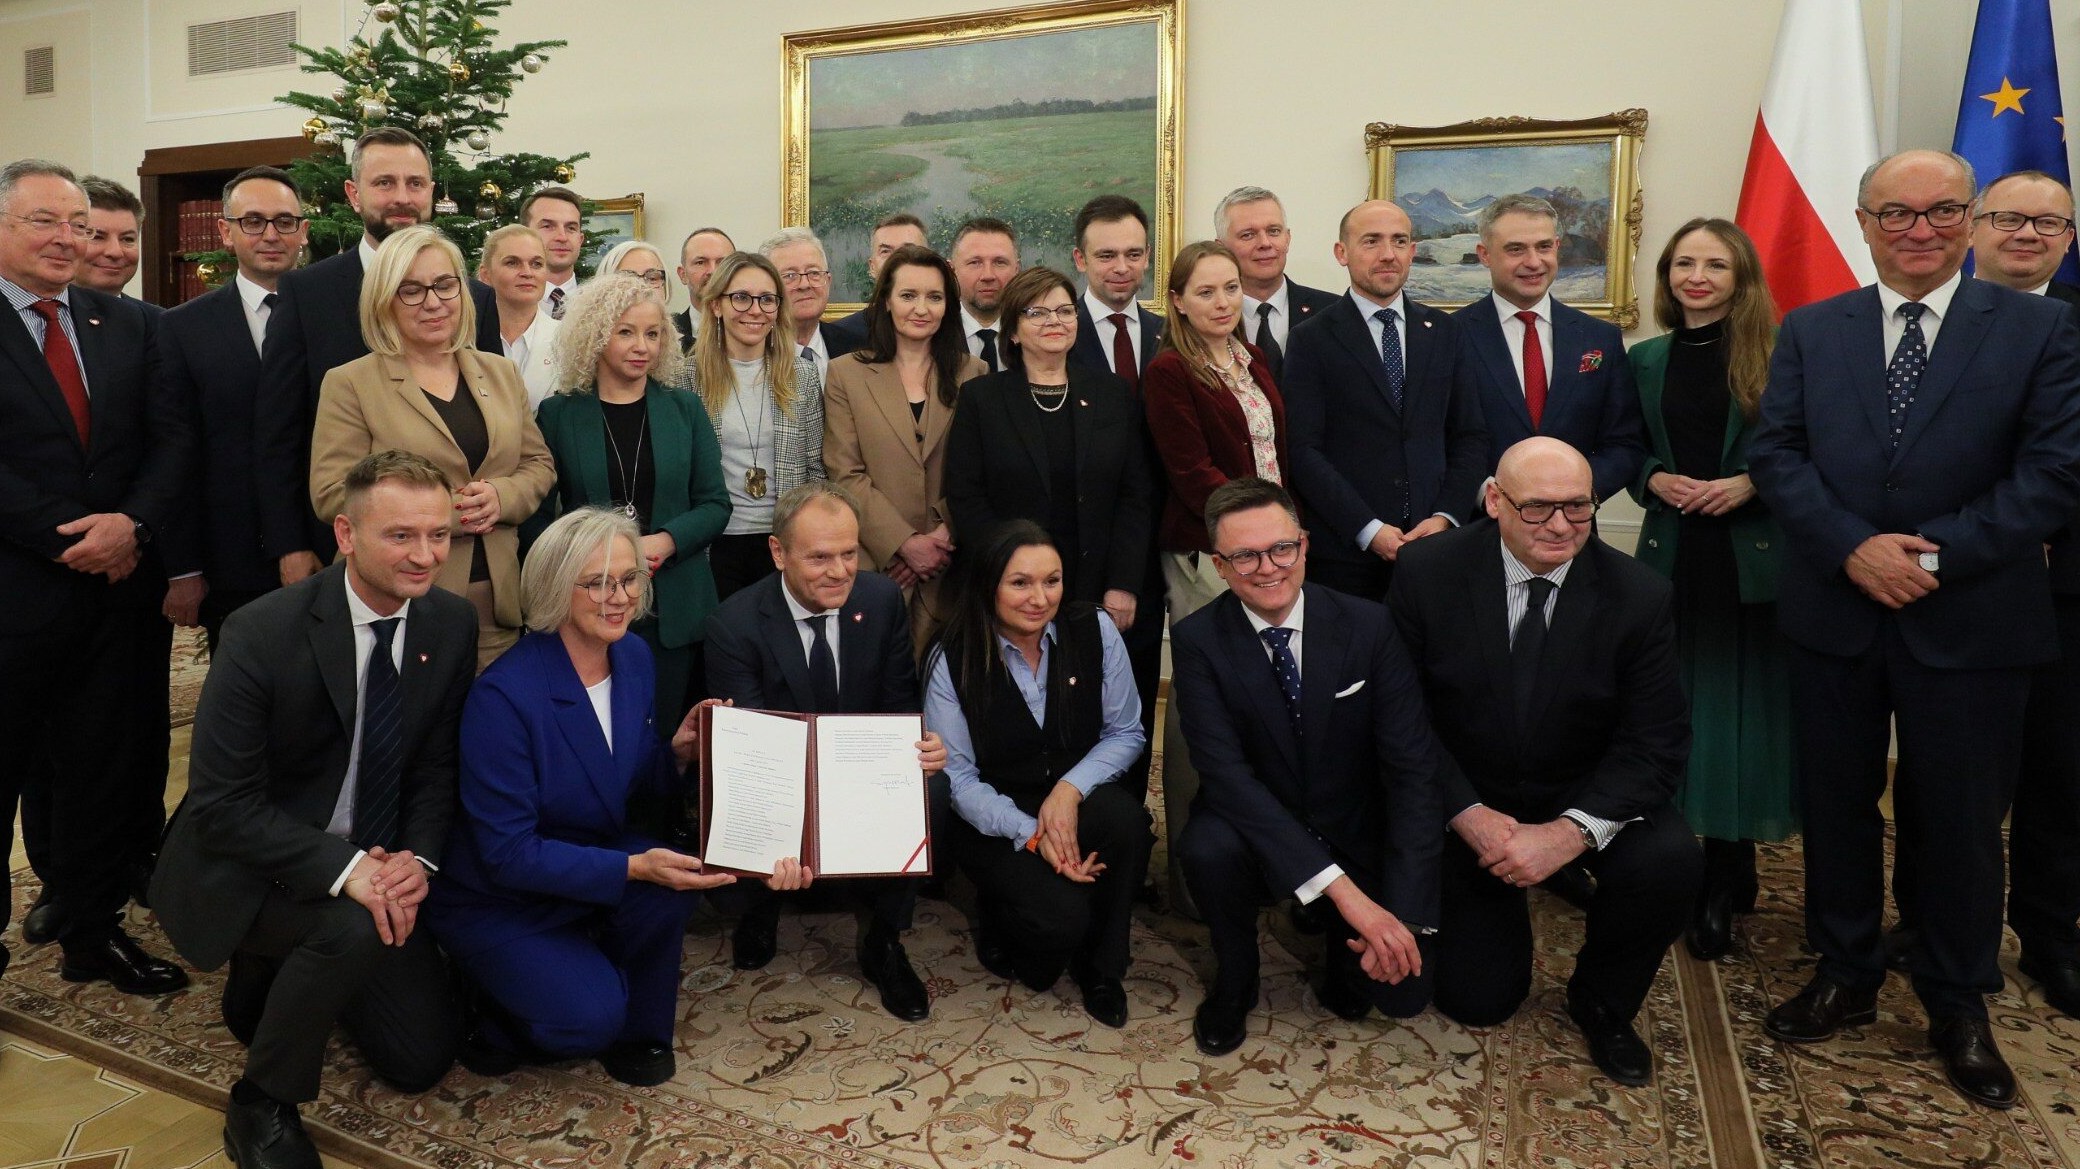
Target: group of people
x,y
981,499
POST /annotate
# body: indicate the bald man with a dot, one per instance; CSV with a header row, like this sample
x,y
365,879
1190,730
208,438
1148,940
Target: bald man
x,y
1549,663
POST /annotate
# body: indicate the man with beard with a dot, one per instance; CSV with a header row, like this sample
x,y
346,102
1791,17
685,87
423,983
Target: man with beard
x,y
985,258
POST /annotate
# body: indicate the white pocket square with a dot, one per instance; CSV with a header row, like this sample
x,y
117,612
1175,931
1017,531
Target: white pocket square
x,y
1353,688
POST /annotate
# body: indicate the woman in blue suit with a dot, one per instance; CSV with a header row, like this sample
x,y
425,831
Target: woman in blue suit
x,y
557,897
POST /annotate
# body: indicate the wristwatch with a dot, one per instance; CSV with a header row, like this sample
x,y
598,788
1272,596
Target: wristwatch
x,y
141,532
1588,837
1930,562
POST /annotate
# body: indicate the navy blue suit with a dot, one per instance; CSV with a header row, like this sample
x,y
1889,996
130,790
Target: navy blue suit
x,y
534,901
1590,402
1089,351
1985,470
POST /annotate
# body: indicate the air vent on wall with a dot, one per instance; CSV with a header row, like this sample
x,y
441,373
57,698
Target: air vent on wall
x,y
39,71
248,42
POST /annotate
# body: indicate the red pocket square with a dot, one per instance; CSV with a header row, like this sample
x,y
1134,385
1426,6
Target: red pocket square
x,y
1591,360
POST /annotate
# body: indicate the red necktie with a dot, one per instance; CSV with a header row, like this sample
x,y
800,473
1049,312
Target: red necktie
x,y
1534,368
1123,351
57,353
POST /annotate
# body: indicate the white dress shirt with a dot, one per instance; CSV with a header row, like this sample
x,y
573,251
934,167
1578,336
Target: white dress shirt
x,y
818,352
1513,333
602,695
1936,306
1295,621
365,618
367,249
250,295
1100,311
801,614
1281,314
534,352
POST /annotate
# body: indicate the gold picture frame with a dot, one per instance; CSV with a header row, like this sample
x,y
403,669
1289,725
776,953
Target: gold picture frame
x,y
616,220
1021,113
1442,175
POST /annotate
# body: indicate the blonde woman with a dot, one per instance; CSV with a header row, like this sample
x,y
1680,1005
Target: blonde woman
x,y
515,264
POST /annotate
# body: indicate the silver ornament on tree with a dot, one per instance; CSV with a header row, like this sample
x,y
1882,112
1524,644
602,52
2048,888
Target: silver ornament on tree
x,y
326,138
384,12
341,94
487,210
478,140
446,206
431,121
373,108
531,63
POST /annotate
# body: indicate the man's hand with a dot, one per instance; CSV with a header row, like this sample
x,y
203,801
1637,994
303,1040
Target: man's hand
x,y
476,507
1388,951
107,544
1386,543
1887,568
184,596
900,572
686,741
931,753
296,566
924,556
789,874
401,879
394,922
657,547
674,870
1535,851
1484,829
1429,527
1057,818
1121,605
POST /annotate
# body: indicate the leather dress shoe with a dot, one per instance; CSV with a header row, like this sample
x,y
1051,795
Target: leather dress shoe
x,y
644,1065
1613,1044
1821,1009
44,921
882,960
1222,1021
1900,943
123,964
1342,988
1104,999
756,937
267,1134
485,1056
1975,1066
1710,935
995,956
2060,980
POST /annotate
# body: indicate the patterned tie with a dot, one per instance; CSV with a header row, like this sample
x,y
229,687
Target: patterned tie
x,y
377,803
989,348
556,303
1534,368
1123,351
1288,670
1273,355
1528,643
64,363
1903,376
1390,356
823,668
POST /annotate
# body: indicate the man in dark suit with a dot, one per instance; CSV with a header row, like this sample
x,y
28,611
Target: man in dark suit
x,y
108,258
316,327
1545,368
1549,662
1384,414
91,468
557,214
768,648
1918,444
320,791
805,279
891,233
1317,771
699,252
1252,222
2021,233
984,255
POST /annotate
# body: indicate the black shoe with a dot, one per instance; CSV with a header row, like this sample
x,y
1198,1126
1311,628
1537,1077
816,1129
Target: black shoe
x,y
1965,1044
245,994
1104,999
1900,943
5,958
1821,1009
1222,1021
122,964
1710,936
644,1065
2060,980
44,921
267,1134
756,937
990,950
1613,1044
1342,988
1308,919
882,960
484,1056
1571,883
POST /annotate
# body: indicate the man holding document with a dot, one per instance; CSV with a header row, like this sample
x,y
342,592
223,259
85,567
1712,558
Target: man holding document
x,y
821,638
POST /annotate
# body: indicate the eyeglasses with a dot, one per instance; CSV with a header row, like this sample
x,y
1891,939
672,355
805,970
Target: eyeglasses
x,y
257,224
650,275
1041,316
794,276
2013,221
744,302
601,588
1897,219
51,225
446,288
1577,511
1284,554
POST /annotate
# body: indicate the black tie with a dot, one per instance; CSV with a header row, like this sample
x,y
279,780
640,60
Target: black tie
x,y
823,668
1903,375
1528,643
1273,355
376,796
267,302
989,348
1286,668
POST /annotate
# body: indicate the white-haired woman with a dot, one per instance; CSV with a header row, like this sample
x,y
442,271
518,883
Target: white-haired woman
x,y
515,264
624,438
639,258
424,389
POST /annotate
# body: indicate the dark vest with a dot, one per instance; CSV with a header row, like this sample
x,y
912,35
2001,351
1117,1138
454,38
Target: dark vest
x,y
1023,760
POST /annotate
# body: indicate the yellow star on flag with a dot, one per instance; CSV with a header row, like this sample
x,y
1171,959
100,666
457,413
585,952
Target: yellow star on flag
x,y
2006,98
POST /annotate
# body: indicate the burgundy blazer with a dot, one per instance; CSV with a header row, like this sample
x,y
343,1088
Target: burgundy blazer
x,y
1203,440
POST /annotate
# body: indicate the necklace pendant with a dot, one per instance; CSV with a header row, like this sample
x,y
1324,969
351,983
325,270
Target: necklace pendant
x,y
755,483
629,510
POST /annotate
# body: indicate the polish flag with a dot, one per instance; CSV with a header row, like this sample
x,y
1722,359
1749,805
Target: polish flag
x,y
1814,136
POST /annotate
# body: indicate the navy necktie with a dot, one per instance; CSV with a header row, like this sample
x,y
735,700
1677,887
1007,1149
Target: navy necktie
x,y
1273,355
1903,375
1528,643
823,668
377,803
1390,355
1286,668
988,337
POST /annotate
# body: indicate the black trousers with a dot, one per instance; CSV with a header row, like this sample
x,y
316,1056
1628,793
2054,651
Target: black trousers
x,y
1229,886
317,963
1646,887
1053,921
739,561
1960,742
2044,831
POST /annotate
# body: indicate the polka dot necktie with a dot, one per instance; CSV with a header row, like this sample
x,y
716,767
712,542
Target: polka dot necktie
x,y
1390,355
1287,669
1903,376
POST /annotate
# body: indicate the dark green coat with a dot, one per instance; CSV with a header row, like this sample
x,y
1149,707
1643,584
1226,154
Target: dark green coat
x,y
1756,539
690,502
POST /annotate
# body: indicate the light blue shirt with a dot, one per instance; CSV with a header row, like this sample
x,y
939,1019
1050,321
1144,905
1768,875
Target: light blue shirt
x,y
20,299
990,811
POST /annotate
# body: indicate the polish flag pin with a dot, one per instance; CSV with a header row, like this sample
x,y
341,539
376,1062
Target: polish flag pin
x,y
423,658
93,320
1427,324
1072,679
858,617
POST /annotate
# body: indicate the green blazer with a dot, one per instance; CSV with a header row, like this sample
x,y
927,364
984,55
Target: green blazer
x,y
1756,538
690,502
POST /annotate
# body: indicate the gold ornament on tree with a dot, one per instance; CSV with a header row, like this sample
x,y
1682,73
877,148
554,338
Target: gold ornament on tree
x,y
490,192
206,272
312,127
458,72
565,173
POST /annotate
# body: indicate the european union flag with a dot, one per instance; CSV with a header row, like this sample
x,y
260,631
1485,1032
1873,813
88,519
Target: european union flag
x,y
2010,117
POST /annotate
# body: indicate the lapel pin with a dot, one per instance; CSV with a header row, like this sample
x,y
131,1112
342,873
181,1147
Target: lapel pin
x,y
858,617
1427,324
1072,679
1081,402
423,658
93,320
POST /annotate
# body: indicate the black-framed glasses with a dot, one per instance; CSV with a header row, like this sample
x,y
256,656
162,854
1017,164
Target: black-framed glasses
x,y
1538,511
257,224
1902,218
413,295
1040,316
600,588
2049,225
744,302
1284,554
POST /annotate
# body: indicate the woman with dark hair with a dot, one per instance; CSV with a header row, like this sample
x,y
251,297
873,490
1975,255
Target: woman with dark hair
x,y
886,410
1700,385
1035,702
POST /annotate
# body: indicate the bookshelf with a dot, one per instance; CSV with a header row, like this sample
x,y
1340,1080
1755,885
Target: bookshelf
x,y
182,188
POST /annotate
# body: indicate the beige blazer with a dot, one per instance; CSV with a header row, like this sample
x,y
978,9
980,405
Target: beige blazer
x,y
872,448
372,404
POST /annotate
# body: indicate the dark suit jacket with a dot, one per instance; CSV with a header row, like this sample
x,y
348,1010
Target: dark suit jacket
x,y
1355,457
839,341
1609,731
208,365
854,327
755,655
997,469
1089,352
1202,441
1304,302
1590,402
1363,777
272,737
544,835
2065,543
1985,469
683,321
137,460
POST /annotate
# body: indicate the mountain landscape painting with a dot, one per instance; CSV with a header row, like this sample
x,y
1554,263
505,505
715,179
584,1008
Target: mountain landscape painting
x,y
1443,188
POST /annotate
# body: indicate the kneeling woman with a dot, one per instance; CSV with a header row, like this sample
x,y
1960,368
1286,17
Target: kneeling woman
x,y
1038,710
558,899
